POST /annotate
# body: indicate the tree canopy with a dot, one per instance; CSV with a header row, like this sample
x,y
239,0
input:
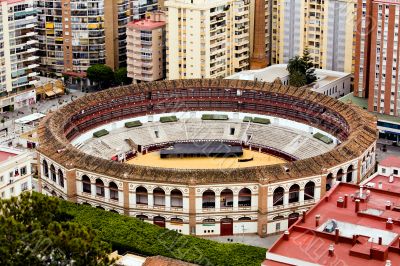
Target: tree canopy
x,y
301,70
33,231
102,74
121,76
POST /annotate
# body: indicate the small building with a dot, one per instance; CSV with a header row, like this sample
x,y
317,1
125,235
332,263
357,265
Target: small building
x,y
17,170
146,50
27,123
332,83
350,225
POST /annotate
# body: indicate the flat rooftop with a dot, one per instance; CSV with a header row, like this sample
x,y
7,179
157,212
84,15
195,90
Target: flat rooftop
x,y
4,156
357,242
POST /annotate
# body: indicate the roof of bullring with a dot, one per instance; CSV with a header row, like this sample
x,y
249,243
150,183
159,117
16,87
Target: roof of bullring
x,y
55,145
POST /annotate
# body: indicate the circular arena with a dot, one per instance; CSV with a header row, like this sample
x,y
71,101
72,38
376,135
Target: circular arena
x,y
205,157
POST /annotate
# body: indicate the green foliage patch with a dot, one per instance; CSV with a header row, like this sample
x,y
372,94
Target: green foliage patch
x,y
130,234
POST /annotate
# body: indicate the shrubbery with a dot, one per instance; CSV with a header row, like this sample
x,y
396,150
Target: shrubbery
x,y
323,138
135,123
130,234
167,119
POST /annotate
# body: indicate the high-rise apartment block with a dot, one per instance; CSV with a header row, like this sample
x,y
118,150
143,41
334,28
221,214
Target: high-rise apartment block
x,y
207,39
146,48
324,27
74,34
377,55
17,54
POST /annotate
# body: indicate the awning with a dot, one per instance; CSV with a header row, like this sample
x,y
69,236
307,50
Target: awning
x,y
58,91
50,93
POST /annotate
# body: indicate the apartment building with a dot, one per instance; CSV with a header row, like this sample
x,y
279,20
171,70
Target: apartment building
x,y
17,54
17,168
141,7
377,55
146,48
207,39
74,34
324,27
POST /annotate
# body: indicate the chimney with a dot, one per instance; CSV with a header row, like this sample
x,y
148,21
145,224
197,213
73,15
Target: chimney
x,y
388,263
336,235
331,250
303,218
380,240
286,235
317,220
388,205
339,202
345,201
389,224
380,185
357,209
354,239
361,191
391,178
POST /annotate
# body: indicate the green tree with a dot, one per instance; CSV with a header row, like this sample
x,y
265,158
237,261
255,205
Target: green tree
x,y
102,74
121,76
33,231
301,70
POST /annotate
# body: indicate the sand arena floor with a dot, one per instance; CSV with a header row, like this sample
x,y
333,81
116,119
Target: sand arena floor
x,y
153,159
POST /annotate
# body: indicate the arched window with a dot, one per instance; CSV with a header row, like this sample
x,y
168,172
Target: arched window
x,y
53,173
142,217
158,197
292,218
114,211
244,197
226,198
208,221
309,190
339,175
101,208
113,191
349,175
279,192
278,218
208,199
86,187
176,221
294,192
99,188
141,195
45,168
60,178
329,179
245,219
176,198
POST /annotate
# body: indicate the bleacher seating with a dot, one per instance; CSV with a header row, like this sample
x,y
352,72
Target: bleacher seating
x,y
296,142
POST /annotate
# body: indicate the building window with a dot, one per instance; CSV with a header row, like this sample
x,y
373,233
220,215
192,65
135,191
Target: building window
x,y
24,186
383,170
396,172
277,227
23,170
86,186
113,191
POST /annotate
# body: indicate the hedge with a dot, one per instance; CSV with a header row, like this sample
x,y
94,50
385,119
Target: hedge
x,y
167,119
135,123
214,117
130,234
257,120
100,133
323,138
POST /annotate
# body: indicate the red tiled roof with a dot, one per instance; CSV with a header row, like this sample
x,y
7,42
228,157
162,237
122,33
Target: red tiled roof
x,y
146,24
6,155
391,161
308,244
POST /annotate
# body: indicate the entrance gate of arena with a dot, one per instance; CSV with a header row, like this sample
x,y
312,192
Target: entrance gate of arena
x,y
160,221
226,227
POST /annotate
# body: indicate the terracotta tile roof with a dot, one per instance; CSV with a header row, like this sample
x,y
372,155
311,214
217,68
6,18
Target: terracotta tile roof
x,y
391,161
